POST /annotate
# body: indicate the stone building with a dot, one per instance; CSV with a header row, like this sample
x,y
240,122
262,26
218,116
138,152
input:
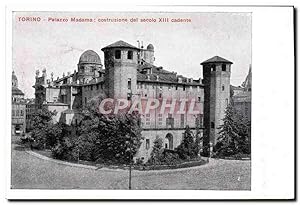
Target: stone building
x,y
18,115
30,109
242,96
129,73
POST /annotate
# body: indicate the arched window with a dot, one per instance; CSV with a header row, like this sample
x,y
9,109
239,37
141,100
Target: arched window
x,y
118,54
169,142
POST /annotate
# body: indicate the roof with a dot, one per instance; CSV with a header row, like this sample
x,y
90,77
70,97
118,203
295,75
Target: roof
x,y
16,91
150,47
236,87
161,75
242,97
89,56
216,59
120,44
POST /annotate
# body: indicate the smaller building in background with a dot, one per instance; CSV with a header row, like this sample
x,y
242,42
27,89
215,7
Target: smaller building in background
x,y
242,96
18,107
30,109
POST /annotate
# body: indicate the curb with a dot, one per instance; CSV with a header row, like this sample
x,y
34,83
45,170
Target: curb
x,y
104,168
61,162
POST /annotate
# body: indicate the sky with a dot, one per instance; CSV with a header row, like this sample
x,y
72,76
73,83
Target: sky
x,y
178,47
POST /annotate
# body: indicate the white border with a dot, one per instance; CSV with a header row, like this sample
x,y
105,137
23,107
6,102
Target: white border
x,y
273,103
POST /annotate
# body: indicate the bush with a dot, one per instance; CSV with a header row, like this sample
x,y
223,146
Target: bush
x,y
156,156
170,157
189,148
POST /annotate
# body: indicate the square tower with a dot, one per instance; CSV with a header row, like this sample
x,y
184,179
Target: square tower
x,y
216,79
121,63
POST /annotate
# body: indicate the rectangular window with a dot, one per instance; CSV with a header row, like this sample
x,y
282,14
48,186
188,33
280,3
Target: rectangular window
x,y
199,99
182,120
21,111
170,121
91,87
223,87
147,119
201,120
129,83
213,68
159,119
128,96
226,101
17,113
212,125
118,54
147,143
129,55
97,86
184,88
223,67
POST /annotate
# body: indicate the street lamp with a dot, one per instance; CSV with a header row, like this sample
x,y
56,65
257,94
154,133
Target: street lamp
x,y
130,149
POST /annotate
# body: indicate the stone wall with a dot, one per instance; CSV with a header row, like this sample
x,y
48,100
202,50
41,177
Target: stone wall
x,y
165,134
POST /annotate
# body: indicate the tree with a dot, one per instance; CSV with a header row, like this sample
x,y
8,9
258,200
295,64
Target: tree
x,y
42,122
234,134
189,147
111,138
157,152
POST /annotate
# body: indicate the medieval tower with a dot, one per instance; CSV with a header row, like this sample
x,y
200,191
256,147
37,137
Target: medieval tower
x,y
121,63
216,79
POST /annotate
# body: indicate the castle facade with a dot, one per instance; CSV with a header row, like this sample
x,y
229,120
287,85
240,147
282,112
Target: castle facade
x,y
129,73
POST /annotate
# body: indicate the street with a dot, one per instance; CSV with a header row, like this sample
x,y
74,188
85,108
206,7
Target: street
x,y
30,172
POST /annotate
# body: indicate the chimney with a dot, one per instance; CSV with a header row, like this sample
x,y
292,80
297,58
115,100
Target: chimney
x,y
37,73
44,72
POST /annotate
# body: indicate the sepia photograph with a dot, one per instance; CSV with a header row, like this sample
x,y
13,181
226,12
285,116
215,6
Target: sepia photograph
x,y
149,103
122,101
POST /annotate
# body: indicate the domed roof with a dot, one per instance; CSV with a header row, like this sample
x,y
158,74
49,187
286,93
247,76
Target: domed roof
x,y
150,47
89,56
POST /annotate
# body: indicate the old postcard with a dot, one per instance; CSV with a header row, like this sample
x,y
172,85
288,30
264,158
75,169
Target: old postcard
x,y
132,100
